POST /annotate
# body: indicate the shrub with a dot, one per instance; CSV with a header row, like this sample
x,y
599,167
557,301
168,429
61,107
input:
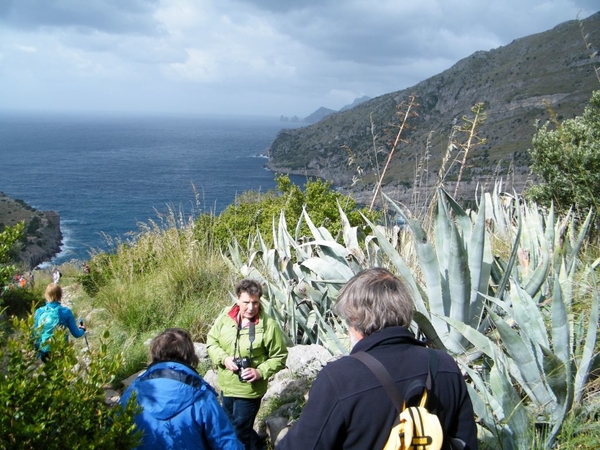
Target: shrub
x,y
8,239
567,160
254,211
60,403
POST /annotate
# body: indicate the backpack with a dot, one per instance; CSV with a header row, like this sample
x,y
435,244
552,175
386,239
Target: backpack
x,y
417,428
47,321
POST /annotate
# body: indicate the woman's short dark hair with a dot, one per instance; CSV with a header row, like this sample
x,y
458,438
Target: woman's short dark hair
x,y
250,286
174,344
375,299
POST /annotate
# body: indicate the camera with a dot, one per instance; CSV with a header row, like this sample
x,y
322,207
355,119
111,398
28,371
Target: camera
x,y
242,363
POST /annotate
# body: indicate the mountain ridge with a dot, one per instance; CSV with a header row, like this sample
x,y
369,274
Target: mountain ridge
x,y
516,83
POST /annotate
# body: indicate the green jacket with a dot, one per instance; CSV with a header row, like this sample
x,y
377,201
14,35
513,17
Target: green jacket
x,y
269,352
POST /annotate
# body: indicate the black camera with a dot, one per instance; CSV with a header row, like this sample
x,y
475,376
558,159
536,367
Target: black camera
x,y
242,363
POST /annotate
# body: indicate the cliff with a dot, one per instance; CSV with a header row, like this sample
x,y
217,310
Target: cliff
x,y
520,84
42,238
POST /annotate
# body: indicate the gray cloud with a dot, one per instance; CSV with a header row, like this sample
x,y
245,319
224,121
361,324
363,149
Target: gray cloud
x,y
120,17
246,56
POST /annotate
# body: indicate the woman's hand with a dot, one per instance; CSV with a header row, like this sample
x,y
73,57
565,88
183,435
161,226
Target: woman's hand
x,y
229,364
251,375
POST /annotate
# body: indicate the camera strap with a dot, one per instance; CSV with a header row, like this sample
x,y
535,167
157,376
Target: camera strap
x,y
251,336
237,338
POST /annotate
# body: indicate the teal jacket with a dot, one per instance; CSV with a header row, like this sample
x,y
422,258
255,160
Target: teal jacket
x,y
269,352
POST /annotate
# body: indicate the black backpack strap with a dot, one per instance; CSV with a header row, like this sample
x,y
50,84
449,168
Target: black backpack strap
x,y
383,376
176,375
388,384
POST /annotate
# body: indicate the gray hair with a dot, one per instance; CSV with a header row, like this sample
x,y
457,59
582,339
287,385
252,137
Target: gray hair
x,y
375,299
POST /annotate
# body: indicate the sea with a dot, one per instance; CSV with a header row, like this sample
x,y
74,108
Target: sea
x,y
106,173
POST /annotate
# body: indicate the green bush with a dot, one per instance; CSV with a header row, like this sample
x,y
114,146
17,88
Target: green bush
x,y
60,403
567,161
254,211
18,301
9,237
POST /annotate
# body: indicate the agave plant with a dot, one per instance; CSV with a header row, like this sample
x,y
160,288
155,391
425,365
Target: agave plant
x,y
302,278
528,362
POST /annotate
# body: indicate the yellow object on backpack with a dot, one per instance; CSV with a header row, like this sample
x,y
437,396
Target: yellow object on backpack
x,y
418,429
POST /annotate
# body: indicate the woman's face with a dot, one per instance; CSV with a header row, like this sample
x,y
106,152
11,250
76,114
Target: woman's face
x,y
249,305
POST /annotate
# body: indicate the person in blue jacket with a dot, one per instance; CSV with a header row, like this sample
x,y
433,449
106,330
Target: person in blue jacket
x,y
179,409
45,325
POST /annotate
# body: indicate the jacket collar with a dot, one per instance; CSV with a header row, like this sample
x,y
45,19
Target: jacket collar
x,y
235,311
387,336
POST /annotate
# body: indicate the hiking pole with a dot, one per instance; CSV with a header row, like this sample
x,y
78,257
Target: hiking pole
x,y
84,335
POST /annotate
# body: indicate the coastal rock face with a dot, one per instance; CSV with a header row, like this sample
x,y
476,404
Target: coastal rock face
x,y
543,77
42,238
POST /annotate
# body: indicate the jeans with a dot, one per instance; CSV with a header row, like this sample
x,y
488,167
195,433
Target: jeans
x,y
242,412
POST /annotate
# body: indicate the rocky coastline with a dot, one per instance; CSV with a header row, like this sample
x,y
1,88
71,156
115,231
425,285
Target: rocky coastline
x,y
42,236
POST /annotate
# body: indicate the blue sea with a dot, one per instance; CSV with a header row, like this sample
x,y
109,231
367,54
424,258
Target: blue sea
x,y
106,173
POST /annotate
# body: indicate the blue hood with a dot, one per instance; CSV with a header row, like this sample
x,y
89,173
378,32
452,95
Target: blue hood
x,y
165,397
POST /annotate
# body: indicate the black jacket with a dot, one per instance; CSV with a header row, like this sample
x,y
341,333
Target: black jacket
x,y
349,409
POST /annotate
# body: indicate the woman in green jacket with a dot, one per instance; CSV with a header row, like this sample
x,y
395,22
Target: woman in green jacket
x,y
248,348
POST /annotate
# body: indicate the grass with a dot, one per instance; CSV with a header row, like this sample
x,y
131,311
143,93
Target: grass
x,y
161,277
164,276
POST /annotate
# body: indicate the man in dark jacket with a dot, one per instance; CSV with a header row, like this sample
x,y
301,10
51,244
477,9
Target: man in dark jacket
x,y
347,406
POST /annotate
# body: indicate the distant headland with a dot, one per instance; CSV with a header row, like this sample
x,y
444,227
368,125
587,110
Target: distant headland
x,y
42,237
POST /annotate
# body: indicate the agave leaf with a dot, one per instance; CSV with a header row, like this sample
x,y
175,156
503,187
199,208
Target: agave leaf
x,y
337,251
281,237
580,239
480,262
328,337
350,237
431,274
556,374
428,330
498,210
485,404
329,269
459,284
283,308
399,264
540,274
518,422
527,315
373,253
587,356
460,216
478,339
235,253
511,261
560,325
396,207
442,229
319,233
522,352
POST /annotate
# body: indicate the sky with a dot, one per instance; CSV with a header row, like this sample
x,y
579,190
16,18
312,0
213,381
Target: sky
x,y
245,57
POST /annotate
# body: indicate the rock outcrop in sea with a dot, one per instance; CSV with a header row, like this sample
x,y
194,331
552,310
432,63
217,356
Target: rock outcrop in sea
x,y
42,236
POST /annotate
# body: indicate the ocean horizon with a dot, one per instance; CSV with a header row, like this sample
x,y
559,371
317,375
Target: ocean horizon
x,y
104,174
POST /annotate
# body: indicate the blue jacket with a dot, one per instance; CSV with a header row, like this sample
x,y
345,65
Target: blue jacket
x,y
180,410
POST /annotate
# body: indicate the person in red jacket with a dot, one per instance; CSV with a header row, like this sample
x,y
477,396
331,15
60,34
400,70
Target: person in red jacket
x,y
347,406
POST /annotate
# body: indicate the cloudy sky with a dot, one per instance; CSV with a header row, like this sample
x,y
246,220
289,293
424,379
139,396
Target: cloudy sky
x,y
259,57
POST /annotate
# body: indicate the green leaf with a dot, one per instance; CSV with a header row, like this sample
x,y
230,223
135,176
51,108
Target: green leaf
x,y
522,352
583,371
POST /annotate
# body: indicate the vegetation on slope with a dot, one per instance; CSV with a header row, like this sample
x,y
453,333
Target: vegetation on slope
x,y
508,288
515,83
